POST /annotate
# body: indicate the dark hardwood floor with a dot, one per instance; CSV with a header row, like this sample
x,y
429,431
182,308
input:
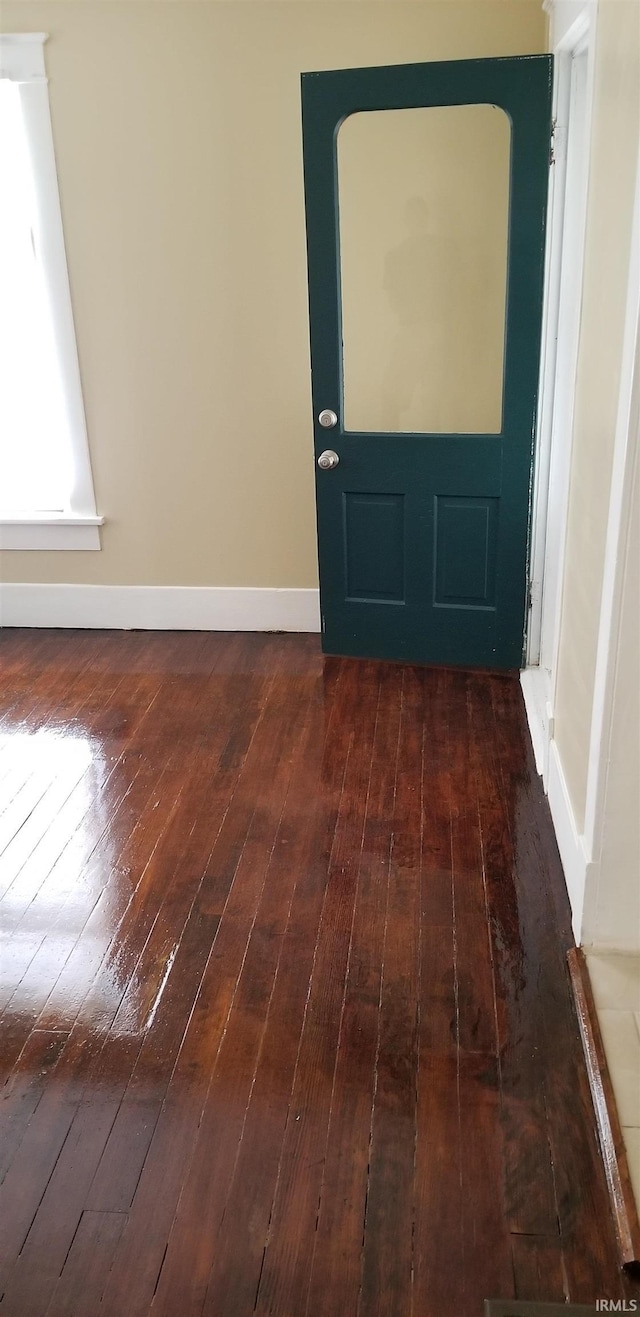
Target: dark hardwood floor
x,y
286,1024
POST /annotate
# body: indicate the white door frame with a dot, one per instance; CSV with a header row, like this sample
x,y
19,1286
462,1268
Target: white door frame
x,y
573,33
573,39
573,42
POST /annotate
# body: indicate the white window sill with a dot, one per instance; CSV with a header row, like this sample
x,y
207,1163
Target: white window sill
x,y
49,531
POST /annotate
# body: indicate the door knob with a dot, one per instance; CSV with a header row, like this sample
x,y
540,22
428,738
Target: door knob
x,y
328,460
328,419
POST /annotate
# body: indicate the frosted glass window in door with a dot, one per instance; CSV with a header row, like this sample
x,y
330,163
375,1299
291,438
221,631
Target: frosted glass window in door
x,y
424,217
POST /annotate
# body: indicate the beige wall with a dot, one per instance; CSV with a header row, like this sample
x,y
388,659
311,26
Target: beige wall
x,y
616,916
177,133
614,155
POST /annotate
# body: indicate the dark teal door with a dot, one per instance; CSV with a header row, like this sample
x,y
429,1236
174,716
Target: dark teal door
x,y
426,189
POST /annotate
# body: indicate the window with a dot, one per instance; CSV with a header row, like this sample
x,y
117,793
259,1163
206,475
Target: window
x,y
46,489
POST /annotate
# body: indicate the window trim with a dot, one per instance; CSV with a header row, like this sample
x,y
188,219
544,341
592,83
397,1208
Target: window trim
x,y
22,61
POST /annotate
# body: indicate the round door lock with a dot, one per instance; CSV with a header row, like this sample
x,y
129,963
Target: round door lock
x,y
328,419
328,460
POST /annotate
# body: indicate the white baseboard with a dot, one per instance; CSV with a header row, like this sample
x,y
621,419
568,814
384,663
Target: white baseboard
x,y
576,860
159,608
574,853
535,689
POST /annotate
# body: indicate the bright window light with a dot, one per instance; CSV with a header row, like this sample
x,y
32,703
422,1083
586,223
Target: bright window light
x,y
36,471
47,499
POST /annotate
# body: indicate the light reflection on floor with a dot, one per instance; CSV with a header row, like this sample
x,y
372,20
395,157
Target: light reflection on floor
x,y
56,855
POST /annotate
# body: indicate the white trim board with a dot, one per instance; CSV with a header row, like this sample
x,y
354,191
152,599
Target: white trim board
x,y
572,845
576,860
573,42
535,683
567,20
160,607
50,531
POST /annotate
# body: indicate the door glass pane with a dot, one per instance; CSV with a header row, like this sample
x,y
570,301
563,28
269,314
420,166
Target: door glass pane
x,y
424,213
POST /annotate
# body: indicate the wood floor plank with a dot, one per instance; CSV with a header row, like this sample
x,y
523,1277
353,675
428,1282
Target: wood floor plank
x,y
585,1223
243,1231
436,866
98,702
23,1089
75,871
537,1269
26,840
216,1148
23,806
337,1248
285,1275
108,956
48,887
529,1184
485,1270
232,891
387,1265
24,1184
475,987
57,1111
55,986
78,1289
439,1280
29,1283
438,1224
20,650
40,673
287,1028
144,1066
458,1076
43,973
